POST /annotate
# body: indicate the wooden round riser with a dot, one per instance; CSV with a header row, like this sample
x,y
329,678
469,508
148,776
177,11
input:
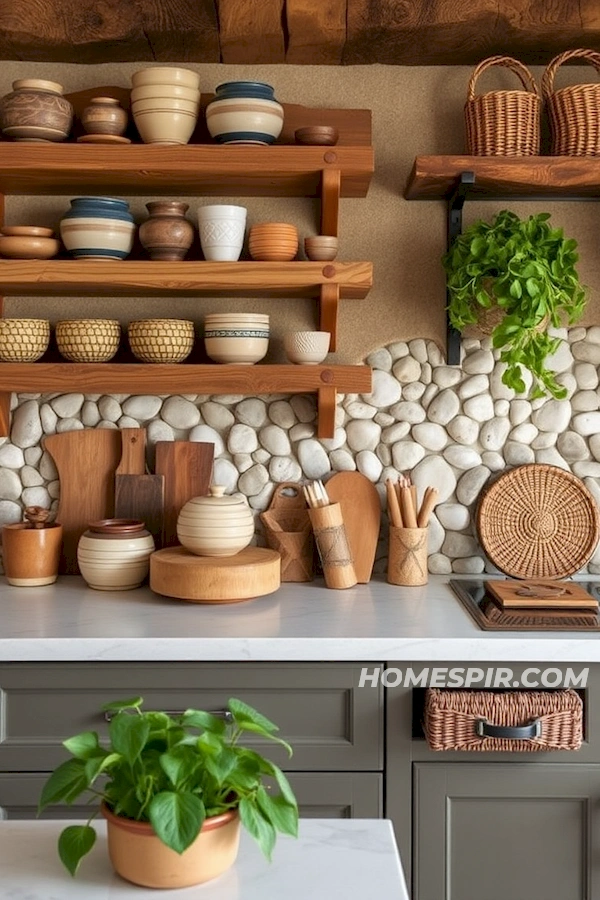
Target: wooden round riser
x,y
253,572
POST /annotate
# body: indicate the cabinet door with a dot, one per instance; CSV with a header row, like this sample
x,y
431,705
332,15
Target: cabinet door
x,y
506,831
331,723
321,795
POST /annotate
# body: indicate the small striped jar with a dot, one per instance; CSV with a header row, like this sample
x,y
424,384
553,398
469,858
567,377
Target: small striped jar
x,y
98,228
244,112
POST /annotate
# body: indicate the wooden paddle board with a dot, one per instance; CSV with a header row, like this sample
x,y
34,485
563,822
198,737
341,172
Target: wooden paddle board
x,y
361,511
137,494
187,469
86,461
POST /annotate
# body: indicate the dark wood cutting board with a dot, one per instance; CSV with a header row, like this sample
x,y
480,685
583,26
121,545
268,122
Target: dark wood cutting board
x,y
137,494
187,469
86,461
361,511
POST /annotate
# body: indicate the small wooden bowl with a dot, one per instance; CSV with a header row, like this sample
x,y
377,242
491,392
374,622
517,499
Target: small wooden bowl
x,y
321,247
324,135
28,242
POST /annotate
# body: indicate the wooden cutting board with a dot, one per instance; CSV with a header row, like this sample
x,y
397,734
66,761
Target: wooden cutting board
x,y
541,594
86,461
361,511
187,469
137,494
253,572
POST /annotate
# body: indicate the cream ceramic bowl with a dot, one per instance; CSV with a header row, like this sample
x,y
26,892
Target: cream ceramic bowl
x,y
216,525
307,348
239,339
172,126
166,75
165,104
109,562
171,91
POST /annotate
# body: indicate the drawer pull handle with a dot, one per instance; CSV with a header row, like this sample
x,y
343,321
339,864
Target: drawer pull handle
x,y
219,713
533,729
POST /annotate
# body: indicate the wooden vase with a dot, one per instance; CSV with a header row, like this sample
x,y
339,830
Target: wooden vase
x,y
31,555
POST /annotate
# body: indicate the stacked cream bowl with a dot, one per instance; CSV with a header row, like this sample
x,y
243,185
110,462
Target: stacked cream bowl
x,y
165,101
238,338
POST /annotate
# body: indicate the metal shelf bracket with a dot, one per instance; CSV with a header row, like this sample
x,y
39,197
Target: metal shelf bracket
x,y
456,201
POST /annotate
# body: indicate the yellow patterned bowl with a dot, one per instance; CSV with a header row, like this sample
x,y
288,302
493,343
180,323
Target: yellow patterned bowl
x,y
23,340
88,340
161,340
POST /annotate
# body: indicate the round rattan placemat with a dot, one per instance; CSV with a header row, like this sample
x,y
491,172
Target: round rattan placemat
x,y
538,521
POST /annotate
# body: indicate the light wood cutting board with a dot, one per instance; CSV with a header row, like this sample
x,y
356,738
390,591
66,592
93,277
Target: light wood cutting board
x,y
86,461
187,469
361,511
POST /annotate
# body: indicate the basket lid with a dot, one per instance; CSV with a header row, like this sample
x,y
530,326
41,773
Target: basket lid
x,y
538,521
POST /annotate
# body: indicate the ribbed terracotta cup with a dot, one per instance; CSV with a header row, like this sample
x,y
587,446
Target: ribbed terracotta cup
x,y
30,555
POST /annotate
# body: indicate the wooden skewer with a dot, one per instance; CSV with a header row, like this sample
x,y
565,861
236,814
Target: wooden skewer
x,y
393,505
429,501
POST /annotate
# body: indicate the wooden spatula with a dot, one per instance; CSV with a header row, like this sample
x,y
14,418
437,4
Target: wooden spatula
x,y
138,495
187,468
86,461
361,511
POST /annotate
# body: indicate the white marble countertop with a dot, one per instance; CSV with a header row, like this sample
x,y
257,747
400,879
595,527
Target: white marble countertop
x,y
333,859
374,622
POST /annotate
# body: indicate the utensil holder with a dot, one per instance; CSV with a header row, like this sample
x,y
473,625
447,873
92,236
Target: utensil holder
x,y
407,556
288,530
333,547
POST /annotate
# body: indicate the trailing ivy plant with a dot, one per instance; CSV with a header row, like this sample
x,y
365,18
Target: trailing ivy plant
x,y
526,269
173,771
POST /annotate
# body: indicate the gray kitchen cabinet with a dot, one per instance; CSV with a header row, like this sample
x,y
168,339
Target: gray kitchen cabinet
x,y
329,795
506,831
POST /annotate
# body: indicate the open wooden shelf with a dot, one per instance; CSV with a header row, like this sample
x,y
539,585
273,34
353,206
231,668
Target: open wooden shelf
x,y
434,177
137,378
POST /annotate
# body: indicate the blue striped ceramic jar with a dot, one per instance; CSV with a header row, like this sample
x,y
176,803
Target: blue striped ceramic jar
x,y
98,228
244,112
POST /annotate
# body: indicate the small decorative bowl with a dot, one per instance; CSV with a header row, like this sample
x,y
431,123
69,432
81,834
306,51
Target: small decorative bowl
x,y
321,247
28,242
23,340
165,91
307,348
320,135
273,242
236,338
88,340
166,75
161,340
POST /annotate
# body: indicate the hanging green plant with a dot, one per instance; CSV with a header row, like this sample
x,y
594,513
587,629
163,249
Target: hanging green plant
x,y
523,270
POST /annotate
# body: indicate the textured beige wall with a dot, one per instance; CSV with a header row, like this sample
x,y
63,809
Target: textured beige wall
x,y
415,111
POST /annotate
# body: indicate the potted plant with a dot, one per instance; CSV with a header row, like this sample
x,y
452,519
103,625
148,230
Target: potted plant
x,y
31,549
174,790
520,275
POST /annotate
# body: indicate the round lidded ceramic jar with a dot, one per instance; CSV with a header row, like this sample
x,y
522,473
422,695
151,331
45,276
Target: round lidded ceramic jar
x,y
104,115
114,554
216,525
36,111
98,228
244,112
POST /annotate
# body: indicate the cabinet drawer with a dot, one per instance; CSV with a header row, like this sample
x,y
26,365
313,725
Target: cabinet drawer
x,y
321,795
330,722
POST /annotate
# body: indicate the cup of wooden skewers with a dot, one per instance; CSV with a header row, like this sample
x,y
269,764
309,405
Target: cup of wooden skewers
x,y
407,552
330,537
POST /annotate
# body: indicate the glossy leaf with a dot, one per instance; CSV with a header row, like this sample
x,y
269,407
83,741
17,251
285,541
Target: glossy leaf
x,y
177,818
74,843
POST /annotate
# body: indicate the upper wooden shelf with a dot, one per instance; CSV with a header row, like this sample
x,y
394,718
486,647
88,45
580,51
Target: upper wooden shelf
x,y
534,176
192,169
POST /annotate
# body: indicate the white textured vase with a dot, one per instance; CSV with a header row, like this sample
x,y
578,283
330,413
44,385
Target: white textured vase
x,y
222,228
216,525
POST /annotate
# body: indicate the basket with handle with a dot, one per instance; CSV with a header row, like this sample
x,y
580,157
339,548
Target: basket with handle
x,y
573,111
507,122
288,530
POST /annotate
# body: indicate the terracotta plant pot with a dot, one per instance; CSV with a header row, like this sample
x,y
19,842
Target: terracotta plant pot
x,y
31,555
139,856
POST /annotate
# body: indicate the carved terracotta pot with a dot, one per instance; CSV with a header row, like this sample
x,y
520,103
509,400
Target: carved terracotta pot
x,y
167,234
36,111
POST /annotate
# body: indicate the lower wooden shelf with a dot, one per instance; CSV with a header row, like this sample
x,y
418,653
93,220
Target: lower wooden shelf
x,y
137,378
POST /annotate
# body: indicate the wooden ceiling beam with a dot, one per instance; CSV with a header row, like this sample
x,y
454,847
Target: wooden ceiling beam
x,y
316,31
251,31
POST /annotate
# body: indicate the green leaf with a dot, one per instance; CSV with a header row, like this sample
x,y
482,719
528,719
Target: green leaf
x,y
177,818
260,829
284,786
256,729
278,811
195,718
98,764
68,780
128,735
119,705
177,764
74,843
84,745
242,712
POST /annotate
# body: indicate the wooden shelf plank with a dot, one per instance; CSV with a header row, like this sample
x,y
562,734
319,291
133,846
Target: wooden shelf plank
x,y
60,277
534,176
192,169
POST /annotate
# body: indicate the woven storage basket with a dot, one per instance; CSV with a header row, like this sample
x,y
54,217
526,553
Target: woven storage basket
x,y
573,111
459,720
161,340
88,340
503,123
23,340
538,521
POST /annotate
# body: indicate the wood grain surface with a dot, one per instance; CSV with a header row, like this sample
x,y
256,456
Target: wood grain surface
x,y
361,512
138,495
86,461
252,572
187,470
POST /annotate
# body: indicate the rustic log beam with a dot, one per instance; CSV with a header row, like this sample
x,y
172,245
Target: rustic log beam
x,y
251,31
316,31
98,31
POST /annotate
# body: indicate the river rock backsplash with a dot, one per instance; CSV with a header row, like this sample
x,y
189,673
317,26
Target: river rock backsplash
x,y
451,427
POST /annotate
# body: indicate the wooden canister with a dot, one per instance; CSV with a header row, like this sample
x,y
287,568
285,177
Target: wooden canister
x,y
333,547
407,556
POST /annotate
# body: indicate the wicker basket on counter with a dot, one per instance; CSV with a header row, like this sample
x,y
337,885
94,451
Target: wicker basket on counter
x,y
573,111
503,123
503,720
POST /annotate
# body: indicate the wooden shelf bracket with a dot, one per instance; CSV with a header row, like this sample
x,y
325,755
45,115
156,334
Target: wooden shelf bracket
x,y
326,403
328,313
331,183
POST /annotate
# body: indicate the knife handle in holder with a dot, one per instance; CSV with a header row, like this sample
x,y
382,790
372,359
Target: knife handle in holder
x,y
332,544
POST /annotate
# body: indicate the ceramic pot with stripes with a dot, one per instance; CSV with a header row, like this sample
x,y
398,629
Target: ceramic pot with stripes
x,y
244,112
98,228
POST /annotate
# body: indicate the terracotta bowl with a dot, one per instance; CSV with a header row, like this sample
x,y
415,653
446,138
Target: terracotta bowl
x,y
321,247
23,340
28,242
273,242
323,135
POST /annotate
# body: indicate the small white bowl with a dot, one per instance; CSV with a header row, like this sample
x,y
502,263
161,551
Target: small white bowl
x,y
307,348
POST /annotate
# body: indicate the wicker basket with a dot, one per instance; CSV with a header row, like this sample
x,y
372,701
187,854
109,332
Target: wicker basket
x,y
538,521
573,111
503,721
161,340
503,123
23,340
88,340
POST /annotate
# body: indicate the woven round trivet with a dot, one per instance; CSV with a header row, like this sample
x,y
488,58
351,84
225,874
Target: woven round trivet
x,y
538,521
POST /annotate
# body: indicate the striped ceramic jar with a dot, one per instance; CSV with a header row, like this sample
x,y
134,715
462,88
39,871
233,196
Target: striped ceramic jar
x,y
244,112
98,228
